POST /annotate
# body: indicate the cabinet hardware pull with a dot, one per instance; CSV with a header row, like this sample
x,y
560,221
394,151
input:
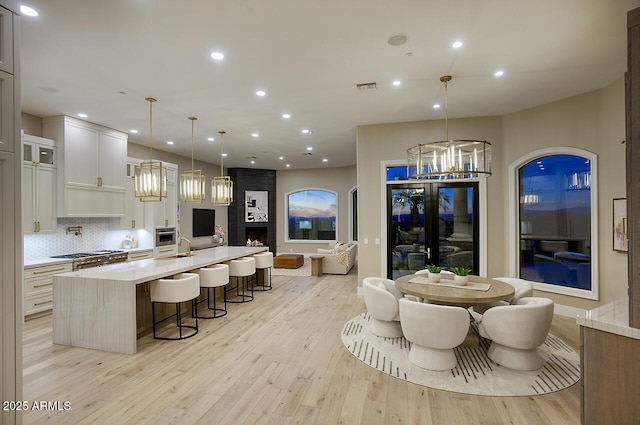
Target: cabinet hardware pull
x,y
166,222
428,253
35,226
99,181
44,284
49,271
38,227
133,224
46,302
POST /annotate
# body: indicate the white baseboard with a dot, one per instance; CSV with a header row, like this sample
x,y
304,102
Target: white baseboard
x,y
567,311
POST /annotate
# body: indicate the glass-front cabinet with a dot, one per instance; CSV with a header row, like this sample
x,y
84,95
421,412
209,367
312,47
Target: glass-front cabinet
x,y
38,184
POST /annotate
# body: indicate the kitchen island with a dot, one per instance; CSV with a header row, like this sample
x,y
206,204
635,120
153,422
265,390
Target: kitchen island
x,y
96,307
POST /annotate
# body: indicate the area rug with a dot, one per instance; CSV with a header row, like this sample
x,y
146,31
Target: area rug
x,y
475,372
304,270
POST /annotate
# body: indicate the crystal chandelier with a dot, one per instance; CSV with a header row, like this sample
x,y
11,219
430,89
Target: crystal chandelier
x,y
192,188
449,159
221,187
150,177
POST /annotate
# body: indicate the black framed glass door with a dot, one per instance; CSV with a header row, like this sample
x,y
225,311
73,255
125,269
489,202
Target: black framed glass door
x,y
432,223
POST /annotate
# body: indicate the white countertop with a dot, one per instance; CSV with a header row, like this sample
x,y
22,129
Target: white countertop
x,y
141,271
612,318
46,262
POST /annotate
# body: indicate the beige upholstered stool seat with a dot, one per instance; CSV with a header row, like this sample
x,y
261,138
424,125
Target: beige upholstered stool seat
x,y
264,263
212,277
242,268
175,290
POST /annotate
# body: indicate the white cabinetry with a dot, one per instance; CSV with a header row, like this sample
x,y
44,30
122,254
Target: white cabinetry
x,y
38,286
165,251
140,255
164,213
38,185
91,167
133,208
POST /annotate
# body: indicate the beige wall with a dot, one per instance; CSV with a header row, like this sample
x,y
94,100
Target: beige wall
x,y
31,124
184,164
593,121
339,179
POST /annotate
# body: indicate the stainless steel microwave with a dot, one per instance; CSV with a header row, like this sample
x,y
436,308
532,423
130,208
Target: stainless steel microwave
x,y
165,236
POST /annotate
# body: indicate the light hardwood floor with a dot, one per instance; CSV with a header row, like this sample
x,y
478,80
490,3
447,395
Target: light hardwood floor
x,y
276,360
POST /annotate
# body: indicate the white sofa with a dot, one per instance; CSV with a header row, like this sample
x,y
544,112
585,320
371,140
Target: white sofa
x,y
335,260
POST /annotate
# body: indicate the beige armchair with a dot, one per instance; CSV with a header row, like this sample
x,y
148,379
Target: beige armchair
x,y
516,331
381,298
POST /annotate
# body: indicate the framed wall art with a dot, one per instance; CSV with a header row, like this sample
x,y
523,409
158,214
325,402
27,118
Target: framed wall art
x,y
256,206
620,237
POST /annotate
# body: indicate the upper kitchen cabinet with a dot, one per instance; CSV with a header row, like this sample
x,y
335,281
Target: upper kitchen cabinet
x,y
91,163
7,98
6,40
165,213
38,185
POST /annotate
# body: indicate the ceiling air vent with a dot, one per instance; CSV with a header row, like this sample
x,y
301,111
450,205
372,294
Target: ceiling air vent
x,y
306,154
367,86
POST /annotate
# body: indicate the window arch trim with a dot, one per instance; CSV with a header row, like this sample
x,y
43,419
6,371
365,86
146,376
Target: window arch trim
x,y
514,220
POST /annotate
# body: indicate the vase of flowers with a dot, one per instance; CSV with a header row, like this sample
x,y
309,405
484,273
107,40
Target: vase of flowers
x,y
434,273
219,233
461,275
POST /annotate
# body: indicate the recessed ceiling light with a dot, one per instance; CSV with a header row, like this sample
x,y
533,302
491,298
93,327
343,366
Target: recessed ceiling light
x,y
436,106
499,73
306,131
255,135
261,93
133,131
286,116
288,165
253,161
309,148
224,154
81,115
457,44
325,160
397,83
28,11
211,139
281,158
217,56
397,40
169,142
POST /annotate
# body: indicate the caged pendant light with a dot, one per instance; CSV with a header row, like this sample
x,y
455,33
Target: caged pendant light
x,y
221,187
449,159
192,187
150,177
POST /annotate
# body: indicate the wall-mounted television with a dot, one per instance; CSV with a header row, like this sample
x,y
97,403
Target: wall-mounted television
x,y
204,222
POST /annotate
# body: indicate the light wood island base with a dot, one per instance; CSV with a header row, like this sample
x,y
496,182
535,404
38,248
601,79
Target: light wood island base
x,y
96,308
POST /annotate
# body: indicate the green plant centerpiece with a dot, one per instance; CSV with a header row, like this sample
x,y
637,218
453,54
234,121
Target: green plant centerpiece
x,y
434,272
461,275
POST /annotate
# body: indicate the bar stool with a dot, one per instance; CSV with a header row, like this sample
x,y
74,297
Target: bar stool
x,y
212,277
242,268
264,261
180,288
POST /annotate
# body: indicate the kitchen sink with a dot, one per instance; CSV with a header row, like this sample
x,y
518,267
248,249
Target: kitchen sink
x,y
173,257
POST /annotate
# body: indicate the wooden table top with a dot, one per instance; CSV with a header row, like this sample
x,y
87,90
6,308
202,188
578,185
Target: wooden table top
x,y
440,294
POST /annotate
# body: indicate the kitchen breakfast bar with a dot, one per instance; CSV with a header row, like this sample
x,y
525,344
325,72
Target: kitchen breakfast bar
x,y
96,307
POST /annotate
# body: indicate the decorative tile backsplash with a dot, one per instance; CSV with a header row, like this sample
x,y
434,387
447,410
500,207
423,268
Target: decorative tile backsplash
x,y
97,234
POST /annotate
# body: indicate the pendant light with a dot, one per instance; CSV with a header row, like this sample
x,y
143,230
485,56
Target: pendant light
x,y
192,182
449,159
150,177
221,187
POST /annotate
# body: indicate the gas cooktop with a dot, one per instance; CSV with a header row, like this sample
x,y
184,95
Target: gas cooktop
x,y
82,260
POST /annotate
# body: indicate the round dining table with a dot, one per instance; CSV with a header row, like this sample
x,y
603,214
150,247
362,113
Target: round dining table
x,y
461,296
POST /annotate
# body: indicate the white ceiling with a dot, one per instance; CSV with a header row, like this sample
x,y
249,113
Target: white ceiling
x,y
104,57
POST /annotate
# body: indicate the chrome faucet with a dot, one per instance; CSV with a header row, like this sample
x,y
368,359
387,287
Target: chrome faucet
x,y
188,244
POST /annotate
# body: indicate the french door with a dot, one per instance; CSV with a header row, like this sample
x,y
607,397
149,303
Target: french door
x,y
432,223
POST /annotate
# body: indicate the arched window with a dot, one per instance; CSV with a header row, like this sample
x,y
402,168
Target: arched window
x,y
556,221
311,215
